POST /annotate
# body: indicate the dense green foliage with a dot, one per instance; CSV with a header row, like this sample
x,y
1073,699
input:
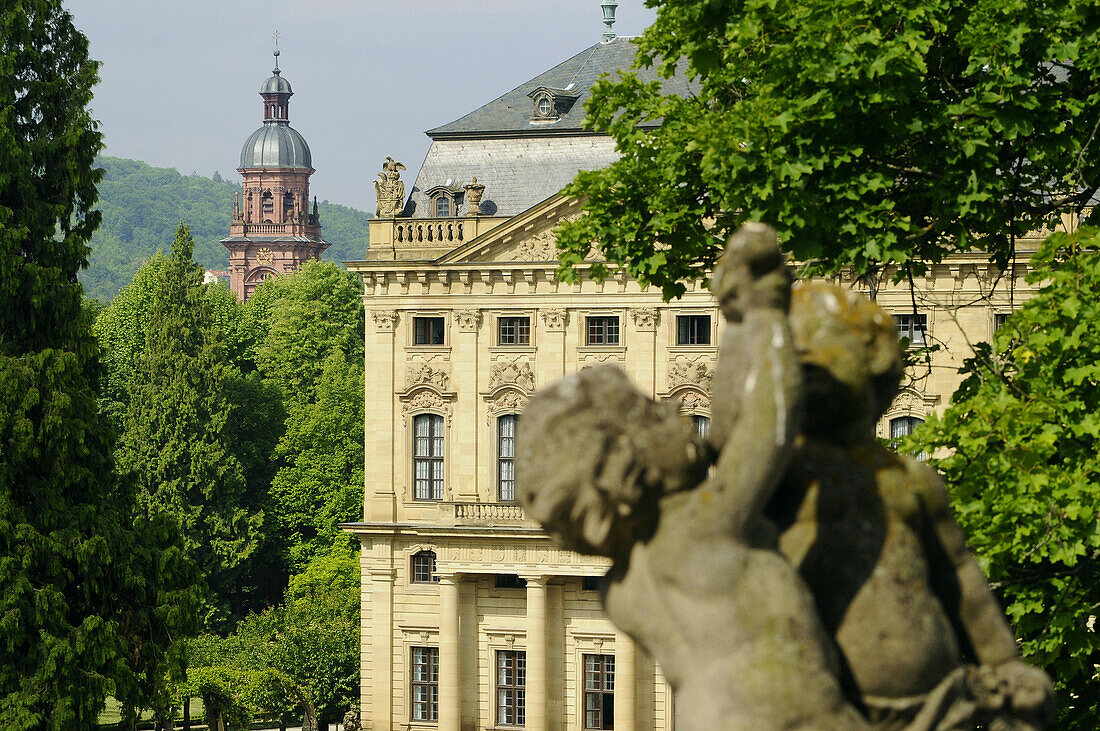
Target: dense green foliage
x,y
122,327
1021,441
312,352
177,447
248,418
311,640
143,205
865,131
80,578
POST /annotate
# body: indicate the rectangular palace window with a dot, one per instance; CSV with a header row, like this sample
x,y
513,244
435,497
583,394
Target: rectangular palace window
x,y
514,331
425,684
506,458
693,329
427,331
599,691
428,457
913,327
511,687
602,330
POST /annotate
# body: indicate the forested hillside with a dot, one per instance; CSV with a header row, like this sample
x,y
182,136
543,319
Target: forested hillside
x,y
143,206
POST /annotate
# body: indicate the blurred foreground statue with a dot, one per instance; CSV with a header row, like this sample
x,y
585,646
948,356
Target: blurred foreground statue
x,y
814,580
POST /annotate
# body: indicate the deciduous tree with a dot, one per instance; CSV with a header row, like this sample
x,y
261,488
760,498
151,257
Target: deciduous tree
x,y
866,131
1019,447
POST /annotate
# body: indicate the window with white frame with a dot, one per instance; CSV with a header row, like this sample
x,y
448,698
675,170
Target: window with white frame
x,y
513,330
423,568
914,328
511,687
506,457
602,330
428,457
999,319
425,684
599,692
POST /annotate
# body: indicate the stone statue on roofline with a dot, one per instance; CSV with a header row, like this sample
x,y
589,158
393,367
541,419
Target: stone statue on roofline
x,y
389,190
813,580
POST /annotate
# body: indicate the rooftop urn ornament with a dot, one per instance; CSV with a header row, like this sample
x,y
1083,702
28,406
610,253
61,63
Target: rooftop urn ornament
x,y
608,7
786,571
474,191
389,191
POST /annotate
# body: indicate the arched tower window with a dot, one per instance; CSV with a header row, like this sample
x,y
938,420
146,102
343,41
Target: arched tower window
x,y
268,204
288,205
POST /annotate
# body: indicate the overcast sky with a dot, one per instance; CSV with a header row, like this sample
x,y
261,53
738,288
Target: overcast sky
x,y
180,80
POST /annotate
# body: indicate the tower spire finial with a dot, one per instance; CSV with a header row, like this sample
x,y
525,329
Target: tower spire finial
x,y
608,7
276,54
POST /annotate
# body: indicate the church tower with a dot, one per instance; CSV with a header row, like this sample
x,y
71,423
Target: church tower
x,y
273,230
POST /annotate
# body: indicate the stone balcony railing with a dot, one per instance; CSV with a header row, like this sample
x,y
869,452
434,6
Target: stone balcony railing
x,y
486,514
240,228
416,234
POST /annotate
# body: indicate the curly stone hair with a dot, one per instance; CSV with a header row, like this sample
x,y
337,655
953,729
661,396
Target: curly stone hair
x,y
594,455
849,350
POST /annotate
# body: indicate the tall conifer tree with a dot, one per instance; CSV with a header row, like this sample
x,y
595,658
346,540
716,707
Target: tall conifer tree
x,y
65,537
176,447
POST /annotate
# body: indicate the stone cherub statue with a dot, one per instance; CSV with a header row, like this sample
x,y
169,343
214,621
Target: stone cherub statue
x,y
889,606
389,190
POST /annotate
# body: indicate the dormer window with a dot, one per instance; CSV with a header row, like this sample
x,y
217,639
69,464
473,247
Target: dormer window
x,y
551,103
444,200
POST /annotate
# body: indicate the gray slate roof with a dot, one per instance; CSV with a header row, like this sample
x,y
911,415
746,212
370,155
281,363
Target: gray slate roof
x,y
276,145
517,172
522,164
512,112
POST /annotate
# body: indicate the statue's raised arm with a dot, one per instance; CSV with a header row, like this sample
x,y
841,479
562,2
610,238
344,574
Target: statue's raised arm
x,y
695,580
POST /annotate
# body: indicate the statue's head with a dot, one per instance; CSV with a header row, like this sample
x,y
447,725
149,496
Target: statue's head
x,y
595,455
852,360
750,272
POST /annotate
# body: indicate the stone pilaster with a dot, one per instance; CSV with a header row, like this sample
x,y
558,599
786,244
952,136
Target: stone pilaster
x,y
537,708
626,681
450,659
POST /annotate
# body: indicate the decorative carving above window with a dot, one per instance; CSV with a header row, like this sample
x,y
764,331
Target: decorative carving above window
x,y
467,320
645,318
425,373
425,400
508,401
687,372
692,402
516,373
385,320
555,319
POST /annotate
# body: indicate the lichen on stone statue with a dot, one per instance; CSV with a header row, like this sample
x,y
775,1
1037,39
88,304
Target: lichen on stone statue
x,y
811,580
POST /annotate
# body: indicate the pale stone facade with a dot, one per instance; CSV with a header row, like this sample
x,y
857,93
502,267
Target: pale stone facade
x,y
470,379
464,320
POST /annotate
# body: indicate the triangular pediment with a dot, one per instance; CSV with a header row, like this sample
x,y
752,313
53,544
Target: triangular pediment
x,y
525,238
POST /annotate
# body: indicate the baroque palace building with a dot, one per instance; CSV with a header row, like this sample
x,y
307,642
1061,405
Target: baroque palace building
x,y
273,231
471,617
